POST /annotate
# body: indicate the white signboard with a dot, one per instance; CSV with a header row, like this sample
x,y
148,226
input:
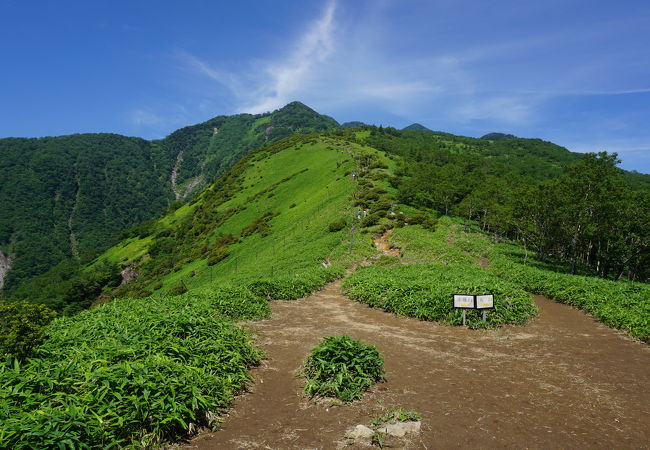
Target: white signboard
x,y
485,301
463,301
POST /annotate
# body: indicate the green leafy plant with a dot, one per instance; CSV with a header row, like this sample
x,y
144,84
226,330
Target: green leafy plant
x,y
296,286
343,368
131,373
619,304
395,415
218,255
424,291
378,439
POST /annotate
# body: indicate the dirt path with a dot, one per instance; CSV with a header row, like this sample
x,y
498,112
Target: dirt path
x,y
383,245
562,381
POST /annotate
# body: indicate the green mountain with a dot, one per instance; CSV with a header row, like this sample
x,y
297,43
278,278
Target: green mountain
x,y
353,124
432,171
71,196
498,136
416,127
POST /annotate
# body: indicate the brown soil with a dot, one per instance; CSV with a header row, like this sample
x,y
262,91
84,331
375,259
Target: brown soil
x,y
383,245
562,381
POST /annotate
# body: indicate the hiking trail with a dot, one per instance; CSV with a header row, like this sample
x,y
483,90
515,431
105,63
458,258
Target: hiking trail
x,y
561,381
382,244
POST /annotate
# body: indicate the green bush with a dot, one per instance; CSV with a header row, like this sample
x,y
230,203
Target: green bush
x,y
370,220
619,304
217,255
294,287
232,301
21,327
343,368
427,222
388,261
337,225
178,289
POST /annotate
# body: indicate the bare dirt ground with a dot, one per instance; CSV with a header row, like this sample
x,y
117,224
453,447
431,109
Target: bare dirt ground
x,y
383,245
561,381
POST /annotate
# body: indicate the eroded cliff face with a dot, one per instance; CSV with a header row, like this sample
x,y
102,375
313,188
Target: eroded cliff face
x,y
5,265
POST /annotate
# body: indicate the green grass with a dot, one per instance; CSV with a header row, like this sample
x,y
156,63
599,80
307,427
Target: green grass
x,y
419,246
305,188
343,368
393,415
424,291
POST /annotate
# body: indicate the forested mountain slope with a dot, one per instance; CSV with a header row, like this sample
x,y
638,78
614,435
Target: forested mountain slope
x,y
71,196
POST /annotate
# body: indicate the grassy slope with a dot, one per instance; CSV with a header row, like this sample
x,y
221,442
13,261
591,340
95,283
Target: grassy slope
x,y
298,239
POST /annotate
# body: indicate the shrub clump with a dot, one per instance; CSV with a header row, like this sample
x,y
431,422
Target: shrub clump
x,y
131,373
343,368
287,287
424,291
427,222
337,225
21,327
218,255
179,289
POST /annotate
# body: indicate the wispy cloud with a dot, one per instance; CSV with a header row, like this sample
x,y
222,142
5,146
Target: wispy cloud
x,y
271,84
286,78
145,117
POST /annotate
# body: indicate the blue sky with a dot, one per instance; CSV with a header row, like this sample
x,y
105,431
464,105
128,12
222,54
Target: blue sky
x,y
573,72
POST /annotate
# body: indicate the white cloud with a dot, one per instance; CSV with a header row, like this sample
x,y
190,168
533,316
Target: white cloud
x,y
287,78
144,117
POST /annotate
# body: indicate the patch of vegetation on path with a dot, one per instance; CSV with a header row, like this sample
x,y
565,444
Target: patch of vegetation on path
x,y
424,291
343,368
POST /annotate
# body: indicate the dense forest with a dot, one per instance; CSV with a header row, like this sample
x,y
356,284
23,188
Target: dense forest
x,y
71,196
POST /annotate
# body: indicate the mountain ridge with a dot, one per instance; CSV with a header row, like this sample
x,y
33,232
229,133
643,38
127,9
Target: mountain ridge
x,y
69,196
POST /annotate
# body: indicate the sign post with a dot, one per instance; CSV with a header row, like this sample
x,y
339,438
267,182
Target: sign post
x,y
463,301
481,302
484,302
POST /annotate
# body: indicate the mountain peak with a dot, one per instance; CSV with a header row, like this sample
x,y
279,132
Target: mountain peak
x,y
296,106
498,137
416,127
